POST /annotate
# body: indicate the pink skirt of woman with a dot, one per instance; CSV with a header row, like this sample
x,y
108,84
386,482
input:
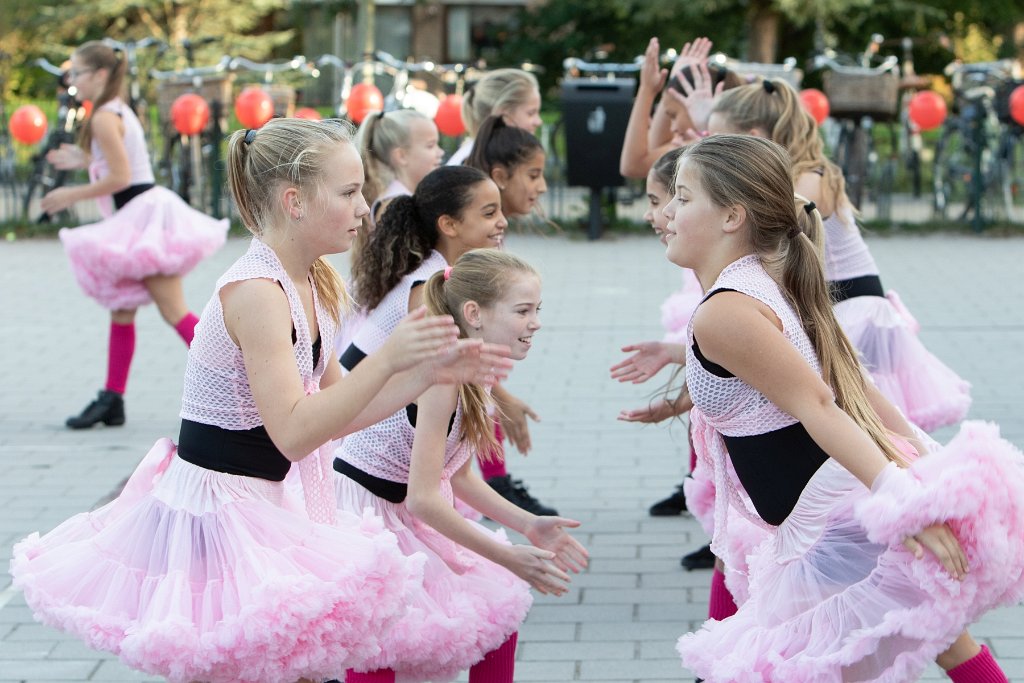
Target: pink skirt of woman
x,y
196,575
156,233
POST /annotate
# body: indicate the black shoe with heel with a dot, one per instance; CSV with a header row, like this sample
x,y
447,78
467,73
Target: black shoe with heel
x,y
702,558
514,492
672,506
108,408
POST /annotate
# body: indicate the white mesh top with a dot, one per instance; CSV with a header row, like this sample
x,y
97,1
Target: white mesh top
x,y
731,406
134,143
382,320
216,385
846,252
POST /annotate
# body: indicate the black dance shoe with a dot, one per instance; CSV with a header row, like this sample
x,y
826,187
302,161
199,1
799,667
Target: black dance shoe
x,y
514,492
702,558
108,408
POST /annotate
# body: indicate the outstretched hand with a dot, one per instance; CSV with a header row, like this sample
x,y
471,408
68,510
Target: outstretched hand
x,y
698,98
692,53
658,411
652,76
67,157
549,533
649,359
512,412
535,566
469,361
941,542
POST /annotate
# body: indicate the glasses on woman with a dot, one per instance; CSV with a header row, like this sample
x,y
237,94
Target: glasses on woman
x,y
75,73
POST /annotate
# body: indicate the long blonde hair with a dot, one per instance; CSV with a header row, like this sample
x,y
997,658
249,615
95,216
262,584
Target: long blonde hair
x,y
483,276
380,134
498,92
96,55
287,152
773,106
754,173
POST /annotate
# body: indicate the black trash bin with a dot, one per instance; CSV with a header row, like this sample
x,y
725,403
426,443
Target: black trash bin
x,y
595,113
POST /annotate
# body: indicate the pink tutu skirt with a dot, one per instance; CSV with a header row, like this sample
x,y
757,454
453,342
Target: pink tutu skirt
x,y
834,596
678,308
465,607
197,575
928,392
156,233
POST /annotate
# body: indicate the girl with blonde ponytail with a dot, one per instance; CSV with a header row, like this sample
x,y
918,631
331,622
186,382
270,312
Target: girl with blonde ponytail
x,y
860,543
148,240
475,590
209,567
928,392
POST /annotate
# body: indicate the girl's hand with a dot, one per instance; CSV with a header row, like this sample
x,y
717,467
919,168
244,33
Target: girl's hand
x,y
940,540
656,412
468,361
67,157
649,359
692,53
534,566
512,412
549,533
57,200
419,338
652,76
698,98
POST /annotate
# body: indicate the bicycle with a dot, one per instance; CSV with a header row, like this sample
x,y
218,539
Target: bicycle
x,y
787,70
859,97
43,176
1011,151
8,159
969,161
184,157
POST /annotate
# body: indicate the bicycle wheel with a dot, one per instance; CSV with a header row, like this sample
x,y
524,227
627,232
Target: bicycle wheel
x,y
882,185
44,178
856,169
1012,174
951,174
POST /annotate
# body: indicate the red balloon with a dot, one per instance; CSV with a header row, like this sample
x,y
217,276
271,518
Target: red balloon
x,y
307,113
449,116
816,104
254,106
1017,104
927,109
189,114
87,107
28,124
364,98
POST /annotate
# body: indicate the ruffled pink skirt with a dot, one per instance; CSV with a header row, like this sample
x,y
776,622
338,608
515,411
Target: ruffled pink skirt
x,y
197,575
678,308
465,607
156,233
834,596
928,392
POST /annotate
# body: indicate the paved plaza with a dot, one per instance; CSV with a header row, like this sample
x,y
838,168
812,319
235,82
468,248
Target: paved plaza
x,y
621,619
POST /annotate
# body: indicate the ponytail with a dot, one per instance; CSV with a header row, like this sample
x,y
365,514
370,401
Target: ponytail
x,y
498,144
97,55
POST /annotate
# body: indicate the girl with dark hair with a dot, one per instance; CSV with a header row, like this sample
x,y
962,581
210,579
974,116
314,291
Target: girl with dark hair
x,y
139,253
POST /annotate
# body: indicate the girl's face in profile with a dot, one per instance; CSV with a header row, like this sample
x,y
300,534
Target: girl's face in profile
x,y
524,186
526,115
694,221
657,197
482,224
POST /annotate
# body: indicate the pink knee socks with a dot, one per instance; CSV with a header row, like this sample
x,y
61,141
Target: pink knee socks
x,y
119,356
981,668
499,666
720,605
494,466
186,327
378,676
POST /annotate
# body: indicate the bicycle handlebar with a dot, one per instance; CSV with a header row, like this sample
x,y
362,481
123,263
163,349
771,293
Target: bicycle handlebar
x,y
49,67
193,71
296,63
131,45
890,64
602,67
720,58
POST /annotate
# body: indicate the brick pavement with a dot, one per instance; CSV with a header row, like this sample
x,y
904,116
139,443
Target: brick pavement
x,y
621,618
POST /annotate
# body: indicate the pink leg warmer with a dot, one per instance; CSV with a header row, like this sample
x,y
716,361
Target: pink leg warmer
x,y
981,668
119,356
494,466
378,676
720,604
186,327
499,666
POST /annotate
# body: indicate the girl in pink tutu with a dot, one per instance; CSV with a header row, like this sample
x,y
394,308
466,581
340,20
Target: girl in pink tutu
x,y
208,567
928,392
513,158
139,253
475,589
873,560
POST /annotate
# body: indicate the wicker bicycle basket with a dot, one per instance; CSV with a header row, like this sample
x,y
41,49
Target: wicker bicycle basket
x,y
213,89
868,94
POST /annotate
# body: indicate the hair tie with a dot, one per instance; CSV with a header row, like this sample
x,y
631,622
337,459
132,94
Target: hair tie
x,y
768,86
793,232
809,207
447,273
250,135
